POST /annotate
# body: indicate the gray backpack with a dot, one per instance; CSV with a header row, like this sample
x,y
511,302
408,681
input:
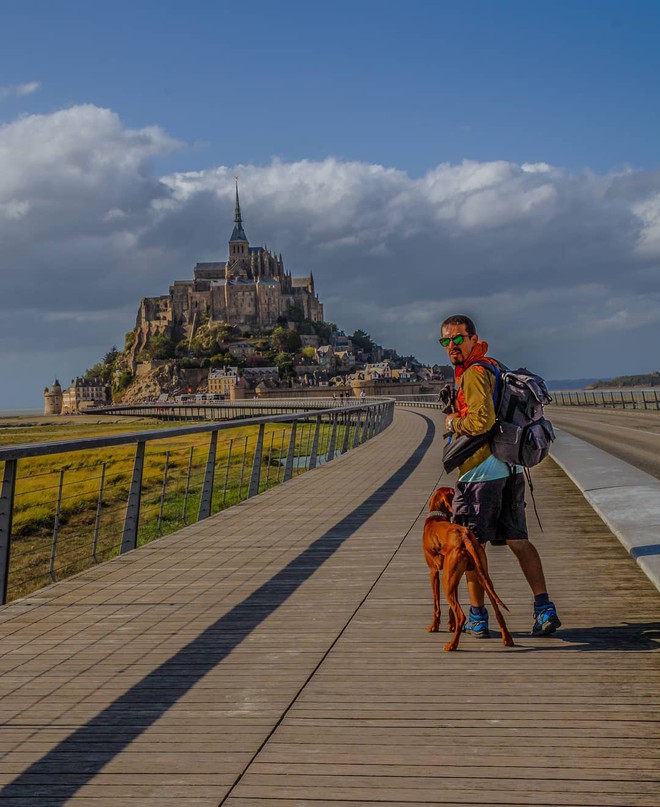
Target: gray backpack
x,y
521,434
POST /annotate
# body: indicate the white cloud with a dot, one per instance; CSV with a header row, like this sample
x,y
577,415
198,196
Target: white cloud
x,y
20,89
555,267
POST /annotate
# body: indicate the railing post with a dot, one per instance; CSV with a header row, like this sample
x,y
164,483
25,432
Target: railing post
x,y
207,486
270,458
224,490
256,464
365,426
372,422
280,467
56,526
6,514
161,507
187,490
347,433
358,428
377,419
288,468
240,484
97,518
132,518
333,439
315,444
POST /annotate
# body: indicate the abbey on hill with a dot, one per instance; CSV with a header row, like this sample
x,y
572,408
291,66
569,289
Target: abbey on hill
x,y
251,289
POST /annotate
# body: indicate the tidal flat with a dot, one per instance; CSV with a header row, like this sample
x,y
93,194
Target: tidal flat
x,y
69,508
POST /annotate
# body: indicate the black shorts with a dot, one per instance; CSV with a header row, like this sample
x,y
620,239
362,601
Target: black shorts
x,y
493,510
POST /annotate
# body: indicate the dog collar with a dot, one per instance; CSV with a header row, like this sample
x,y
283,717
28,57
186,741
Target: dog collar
x,y
438,513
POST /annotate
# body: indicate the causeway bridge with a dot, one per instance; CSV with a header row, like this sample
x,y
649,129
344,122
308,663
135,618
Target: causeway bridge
x,y
275,654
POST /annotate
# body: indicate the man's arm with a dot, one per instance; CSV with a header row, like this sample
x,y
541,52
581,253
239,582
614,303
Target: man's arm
x,y
478,385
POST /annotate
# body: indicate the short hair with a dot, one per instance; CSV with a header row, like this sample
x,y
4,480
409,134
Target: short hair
x,y
460,319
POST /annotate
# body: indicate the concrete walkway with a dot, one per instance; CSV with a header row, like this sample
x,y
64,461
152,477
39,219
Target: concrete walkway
x,y
627,499
276,655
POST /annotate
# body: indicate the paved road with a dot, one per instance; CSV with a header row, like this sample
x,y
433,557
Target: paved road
x,y
630,435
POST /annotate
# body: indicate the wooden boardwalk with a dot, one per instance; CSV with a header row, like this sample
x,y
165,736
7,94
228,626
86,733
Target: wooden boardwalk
x,y
276,655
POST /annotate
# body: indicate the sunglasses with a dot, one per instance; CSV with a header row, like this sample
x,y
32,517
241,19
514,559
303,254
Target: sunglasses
x,y
456,340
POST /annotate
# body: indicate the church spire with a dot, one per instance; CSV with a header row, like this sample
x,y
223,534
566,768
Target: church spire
x,y
238,233
237,208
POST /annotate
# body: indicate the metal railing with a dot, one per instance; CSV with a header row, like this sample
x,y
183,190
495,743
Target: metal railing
x,y
224,410
428,401
101,498
609,399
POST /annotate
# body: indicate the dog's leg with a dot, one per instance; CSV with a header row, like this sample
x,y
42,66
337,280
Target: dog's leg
x,y
453,571
434,627
478,555
507,639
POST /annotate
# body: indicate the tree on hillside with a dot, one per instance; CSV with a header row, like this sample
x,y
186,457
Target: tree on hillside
x,y
161,347
286,340
284,363
104,369
111,356
324,330
362,341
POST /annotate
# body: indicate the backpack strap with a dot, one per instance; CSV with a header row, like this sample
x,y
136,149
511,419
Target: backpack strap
x,y
495,369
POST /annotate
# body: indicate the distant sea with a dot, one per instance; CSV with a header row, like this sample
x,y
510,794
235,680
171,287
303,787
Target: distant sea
x,y
12,413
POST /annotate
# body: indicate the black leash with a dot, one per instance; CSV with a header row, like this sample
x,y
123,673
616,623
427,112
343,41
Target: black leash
x,y
528,477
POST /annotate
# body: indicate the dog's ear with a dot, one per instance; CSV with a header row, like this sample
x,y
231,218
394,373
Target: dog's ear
x,y
447,499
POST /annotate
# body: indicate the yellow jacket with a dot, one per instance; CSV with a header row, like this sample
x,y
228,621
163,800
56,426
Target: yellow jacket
x,y
476,411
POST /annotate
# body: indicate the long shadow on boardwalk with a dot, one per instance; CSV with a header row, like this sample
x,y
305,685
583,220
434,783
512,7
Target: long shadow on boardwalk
x,y
95,744
629,637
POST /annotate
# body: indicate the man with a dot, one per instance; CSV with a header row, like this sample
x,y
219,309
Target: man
x,y
490,495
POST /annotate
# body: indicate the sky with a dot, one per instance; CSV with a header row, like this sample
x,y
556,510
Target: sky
x,y
422,158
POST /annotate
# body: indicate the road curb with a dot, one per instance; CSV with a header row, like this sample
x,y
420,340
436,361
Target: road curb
x,y
627,499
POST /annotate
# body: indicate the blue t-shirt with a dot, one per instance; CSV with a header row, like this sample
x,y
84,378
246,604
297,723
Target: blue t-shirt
x,y
490,468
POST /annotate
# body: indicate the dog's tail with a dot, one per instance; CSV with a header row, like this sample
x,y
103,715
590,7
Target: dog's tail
x,y
482,574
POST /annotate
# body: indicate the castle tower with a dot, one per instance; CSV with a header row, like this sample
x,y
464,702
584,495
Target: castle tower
x,y
53,399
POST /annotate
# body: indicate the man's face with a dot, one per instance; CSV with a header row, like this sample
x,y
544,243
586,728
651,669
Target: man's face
x,y
458,353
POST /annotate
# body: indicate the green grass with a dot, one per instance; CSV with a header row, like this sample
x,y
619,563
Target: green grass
x,y
89,533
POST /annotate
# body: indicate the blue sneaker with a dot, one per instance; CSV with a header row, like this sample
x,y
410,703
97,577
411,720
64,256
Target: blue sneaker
x,y
477,625
546,620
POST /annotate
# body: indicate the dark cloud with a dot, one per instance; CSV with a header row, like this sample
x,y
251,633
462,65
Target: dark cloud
x,y
561,271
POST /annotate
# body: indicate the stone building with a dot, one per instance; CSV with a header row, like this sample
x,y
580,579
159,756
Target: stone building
x,y
83,393
251,289
222,381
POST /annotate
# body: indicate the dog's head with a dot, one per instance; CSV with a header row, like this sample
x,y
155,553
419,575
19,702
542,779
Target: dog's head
x,y
441,501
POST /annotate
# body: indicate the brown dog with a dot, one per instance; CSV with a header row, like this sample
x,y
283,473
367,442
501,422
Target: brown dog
x,y
454,550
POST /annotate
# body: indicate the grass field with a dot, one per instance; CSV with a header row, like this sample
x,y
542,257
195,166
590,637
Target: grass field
x,y
69,508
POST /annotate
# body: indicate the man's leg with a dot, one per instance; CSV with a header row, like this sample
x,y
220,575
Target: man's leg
x,y
546,620
477,506
530,563
476,591
513,527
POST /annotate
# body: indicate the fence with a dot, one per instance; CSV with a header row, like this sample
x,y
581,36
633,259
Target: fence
x,y
609,399
100,498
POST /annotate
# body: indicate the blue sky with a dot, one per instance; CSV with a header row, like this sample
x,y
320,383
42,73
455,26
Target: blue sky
x,y
405,84
497,158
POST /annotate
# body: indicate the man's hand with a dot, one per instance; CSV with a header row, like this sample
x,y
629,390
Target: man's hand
x,y
448,421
